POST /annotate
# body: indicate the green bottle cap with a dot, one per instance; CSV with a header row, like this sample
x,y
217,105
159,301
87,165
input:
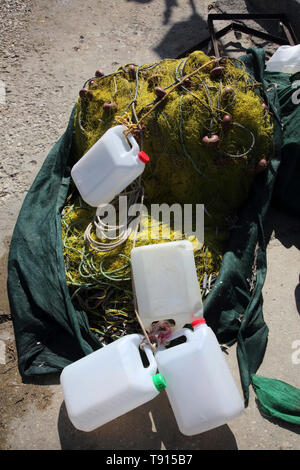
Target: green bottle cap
x,y
159,382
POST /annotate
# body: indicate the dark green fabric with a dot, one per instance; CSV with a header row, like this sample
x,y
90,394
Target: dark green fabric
x,y
287,189
232,310
277,399
50,333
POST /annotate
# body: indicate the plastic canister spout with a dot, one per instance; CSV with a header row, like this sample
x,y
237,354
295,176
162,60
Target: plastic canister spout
x,y
198,322
143,157
159,382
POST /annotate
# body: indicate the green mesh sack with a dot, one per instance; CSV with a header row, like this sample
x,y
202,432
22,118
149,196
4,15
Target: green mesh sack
x,y
51,331
277,399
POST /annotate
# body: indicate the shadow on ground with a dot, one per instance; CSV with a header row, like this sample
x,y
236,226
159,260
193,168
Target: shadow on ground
x,y
289,7
187,34
169,5
283,226
278,422
286,229
148,427
183,35
297,296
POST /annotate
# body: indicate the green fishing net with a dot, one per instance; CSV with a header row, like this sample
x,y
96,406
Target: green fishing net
x,y
207,131
277,399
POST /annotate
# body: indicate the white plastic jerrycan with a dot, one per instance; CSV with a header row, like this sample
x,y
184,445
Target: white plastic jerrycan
x,y
166,284
109,382
108,167
199,384
286,59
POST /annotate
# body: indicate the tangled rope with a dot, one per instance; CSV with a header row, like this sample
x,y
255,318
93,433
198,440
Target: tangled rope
x,y
101,281
106,231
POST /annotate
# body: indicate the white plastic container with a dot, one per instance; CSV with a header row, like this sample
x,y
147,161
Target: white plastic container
x,y
199,384
109,382
166,283
108,167
286,59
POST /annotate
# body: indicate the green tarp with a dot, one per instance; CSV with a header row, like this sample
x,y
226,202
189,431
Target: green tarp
x,y
286,195
50,333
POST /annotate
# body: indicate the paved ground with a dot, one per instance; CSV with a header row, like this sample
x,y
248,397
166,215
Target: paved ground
x,y
47,50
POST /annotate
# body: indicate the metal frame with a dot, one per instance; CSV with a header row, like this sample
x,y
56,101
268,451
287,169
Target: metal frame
x,y
290,39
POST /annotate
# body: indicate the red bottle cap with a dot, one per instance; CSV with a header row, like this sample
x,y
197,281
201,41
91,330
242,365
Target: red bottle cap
x,y
143,157
199,321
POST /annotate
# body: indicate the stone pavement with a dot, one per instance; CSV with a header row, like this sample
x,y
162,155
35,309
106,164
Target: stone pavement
x,y
47,50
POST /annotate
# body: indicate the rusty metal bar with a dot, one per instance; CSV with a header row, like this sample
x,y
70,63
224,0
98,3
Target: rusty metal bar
x,y
290,39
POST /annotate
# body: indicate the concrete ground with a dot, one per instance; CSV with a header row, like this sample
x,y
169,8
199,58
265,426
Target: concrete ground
x,y
47,50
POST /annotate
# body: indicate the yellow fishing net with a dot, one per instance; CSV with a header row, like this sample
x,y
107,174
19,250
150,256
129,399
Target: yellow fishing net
x,y
207,132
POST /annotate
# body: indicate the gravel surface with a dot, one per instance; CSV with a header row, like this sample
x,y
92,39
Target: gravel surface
x,y
28,125
48,48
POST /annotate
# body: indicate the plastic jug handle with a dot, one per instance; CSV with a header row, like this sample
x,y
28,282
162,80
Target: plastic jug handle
x,y
134,145
183,332
152,361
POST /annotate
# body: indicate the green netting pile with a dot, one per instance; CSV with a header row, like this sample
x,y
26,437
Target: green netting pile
x,y
207,131
171,106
